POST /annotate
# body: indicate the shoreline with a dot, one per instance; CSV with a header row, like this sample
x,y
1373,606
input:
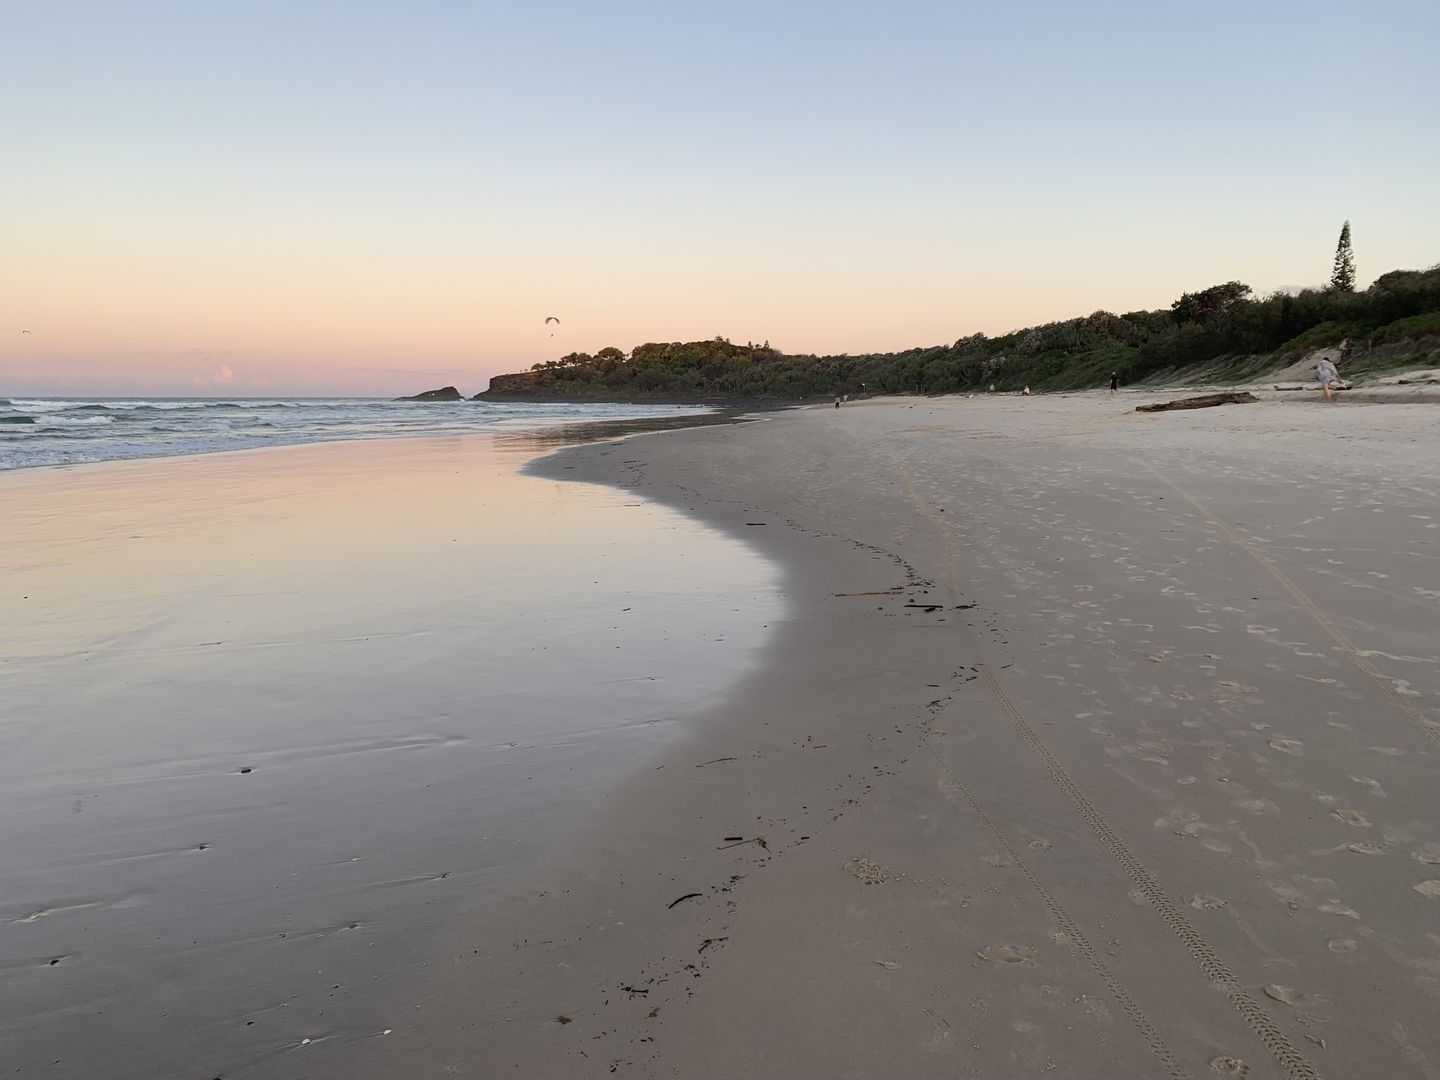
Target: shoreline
x,y
1032,828
563,432
667,879
43,433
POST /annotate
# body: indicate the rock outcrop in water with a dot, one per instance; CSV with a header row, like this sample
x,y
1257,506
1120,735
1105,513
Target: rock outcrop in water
x,y
445,393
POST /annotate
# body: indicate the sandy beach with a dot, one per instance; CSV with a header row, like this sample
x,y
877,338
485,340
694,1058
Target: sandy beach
x,y
1082,743
1094,744
570,543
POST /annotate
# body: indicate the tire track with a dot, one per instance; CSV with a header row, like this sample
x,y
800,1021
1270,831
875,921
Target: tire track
x,y
1071,930
1215,969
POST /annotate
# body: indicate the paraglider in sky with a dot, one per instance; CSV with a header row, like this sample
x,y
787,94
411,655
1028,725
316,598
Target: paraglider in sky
x,y
32,335
548,320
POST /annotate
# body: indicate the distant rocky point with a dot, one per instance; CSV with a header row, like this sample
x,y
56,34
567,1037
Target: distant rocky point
x,y
445,393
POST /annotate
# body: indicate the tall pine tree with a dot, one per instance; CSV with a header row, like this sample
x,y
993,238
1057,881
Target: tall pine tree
x,y
1342,278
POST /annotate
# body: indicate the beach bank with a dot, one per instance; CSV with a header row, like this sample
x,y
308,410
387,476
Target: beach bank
x,y
1093,743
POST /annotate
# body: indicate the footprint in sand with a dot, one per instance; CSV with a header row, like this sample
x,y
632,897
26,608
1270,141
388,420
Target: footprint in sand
x,y
1372,784
1288,994
1366,849
1429,854
1353,817
1388,751
1229,1066
1308,1005
1293,747
1007,954
1428,888
1341,945
1206,902
1257,806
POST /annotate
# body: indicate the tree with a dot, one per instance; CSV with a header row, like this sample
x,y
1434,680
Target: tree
x,y
1209,306
1342,278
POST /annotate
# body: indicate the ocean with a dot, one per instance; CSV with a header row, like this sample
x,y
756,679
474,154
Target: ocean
x,y
72,431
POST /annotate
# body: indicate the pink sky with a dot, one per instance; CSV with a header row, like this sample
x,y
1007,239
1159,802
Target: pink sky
x,y
256,199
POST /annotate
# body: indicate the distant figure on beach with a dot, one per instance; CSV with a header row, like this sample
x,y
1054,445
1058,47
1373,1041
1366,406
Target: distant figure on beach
x,y
992,388
837,403
1114,381
1025,392
1327,375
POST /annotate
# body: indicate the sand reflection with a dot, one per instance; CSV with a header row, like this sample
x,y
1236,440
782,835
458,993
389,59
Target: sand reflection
x,y
269,716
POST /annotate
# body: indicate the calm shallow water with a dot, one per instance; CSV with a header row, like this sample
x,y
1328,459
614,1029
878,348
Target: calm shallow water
x,y
68,431
270,719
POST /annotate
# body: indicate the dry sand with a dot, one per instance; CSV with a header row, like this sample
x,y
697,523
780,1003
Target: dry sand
x,y
1093,745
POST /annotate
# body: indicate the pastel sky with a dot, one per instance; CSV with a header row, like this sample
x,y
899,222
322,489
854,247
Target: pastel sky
x,y
372,198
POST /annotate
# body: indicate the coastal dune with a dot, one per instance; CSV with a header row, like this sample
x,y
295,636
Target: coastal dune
x,y
1091,743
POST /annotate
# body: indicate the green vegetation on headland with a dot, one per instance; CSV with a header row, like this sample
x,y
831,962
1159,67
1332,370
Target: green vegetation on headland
x,y
1218,334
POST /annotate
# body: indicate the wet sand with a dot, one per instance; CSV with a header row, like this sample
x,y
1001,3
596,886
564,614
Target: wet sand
x,y
272,721
1092,744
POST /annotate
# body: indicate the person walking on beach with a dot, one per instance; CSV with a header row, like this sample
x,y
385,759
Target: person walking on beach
x,y
1327,375
1114,381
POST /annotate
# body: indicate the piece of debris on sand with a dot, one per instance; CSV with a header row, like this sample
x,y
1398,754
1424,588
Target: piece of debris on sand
x,y
867,870
1204,401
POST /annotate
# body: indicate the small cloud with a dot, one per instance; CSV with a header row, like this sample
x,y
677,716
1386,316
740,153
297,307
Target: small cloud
x,y
223,375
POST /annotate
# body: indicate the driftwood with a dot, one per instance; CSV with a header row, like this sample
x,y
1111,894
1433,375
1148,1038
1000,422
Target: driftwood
x,y
1204,401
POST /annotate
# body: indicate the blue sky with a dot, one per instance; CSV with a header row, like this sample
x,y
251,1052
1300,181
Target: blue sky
x,y
340,197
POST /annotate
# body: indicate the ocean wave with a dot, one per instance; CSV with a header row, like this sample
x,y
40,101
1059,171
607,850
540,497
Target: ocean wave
x,y
52,420
61,431
169,404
